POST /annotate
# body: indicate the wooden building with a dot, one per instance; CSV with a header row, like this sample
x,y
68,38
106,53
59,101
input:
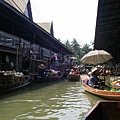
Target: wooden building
x,y
21,37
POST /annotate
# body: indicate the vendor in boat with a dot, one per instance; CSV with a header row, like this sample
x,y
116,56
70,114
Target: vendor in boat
x,y
94,81
103,71
71,71
41,71
76,71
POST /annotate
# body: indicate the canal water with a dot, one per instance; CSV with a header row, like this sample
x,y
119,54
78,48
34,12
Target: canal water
x,y
63,100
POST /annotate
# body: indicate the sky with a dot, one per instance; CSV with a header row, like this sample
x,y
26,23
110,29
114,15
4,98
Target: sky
x,y
72,19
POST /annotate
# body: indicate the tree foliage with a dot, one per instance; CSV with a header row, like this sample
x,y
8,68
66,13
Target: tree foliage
x,y
67,44
78,50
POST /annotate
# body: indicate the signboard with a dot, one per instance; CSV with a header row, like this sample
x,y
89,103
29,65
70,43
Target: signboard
x,y
46,52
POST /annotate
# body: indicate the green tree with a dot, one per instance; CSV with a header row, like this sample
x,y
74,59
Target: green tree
x,y
78,50
75,46
67,44
85,49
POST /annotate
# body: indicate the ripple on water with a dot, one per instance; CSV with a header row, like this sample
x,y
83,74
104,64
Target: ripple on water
x,y
61,101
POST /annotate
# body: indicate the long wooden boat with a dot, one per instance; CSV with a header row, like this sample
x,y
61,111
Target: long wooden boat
x,y
105,94
104,110
9,82
74,77
52,76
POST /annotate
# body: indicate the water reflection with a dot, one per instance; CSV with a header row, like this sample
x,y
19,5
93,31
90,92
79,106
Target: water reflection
x,y
45,101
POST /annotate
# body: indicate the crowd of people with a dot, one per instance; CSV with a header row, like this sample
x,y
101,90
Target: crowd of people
x,y
74,71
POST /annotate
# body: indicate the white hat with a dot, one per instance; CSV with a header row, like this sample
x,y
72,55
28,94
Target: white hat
x,y
94,69
42,66
89,73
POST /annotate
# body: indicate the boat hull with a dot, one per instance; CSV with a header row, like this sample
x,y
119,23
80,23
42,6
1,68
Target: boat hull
x,y
72,77
15,85
49,78
105,94
104,110
102,93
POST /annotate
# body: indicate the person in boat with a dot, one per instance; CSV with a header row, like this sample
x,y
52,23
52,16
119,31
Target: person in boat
x,y
94,81
103,71
71,71
41,71
76,71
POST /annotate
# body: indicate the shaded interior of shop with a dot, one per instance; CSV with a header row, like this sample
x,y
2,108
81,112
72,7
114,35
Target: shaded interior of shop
x,y
107,33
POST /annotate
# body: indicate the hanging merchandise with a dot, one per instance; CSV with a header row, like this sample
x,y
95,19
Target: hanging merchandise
x,y
7,59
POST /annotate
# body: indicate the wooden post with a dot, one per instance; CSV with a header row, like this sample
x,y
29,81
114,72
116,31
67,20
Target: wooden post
x,y
17,57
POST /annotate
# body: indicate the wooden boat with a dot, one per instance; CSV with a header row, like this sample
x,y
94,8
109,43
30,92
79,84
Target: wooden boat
x,y
74,77
105,94
14,81
104,110
51,75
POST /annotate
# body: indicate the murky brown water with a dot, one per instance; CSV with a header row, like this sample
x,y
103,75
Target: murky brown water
x,y
47,101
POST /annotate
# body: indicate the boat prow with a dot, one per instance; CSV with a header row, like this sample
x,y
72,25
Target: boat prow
x,y
104,110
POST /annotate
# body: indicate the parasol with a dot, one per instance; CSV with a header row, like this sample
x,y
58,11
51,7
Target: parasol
x,y
95,57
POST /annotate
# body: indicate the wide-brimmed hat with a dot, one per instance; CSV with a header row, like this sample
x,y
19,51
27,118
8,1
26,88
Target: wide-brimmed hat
x,y
94,69
42,66
89,73
75,67
71,70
